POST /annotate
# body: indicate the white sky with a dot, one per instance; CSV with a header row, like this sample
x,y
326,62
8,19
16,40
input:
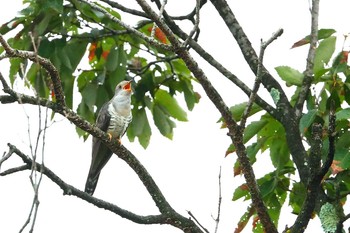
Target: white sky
x,y
186,169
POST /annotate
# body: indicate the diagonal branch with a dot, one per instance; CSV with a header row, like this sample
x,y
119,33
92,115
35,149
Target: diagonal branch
x,y
172,217
213,62
70,190
235,132
284,111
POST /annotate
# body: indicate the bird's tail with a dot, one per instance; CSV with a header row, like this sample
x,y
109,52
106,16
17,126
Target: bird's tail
x,y
90,184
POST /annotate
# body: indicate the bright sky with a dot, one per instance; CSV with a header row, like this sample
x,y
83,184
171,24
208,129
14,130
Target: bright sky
x,y
186,169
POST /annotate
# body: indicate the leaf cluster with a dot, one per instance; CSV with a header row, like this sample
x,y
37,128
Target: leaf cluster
x,y
93,54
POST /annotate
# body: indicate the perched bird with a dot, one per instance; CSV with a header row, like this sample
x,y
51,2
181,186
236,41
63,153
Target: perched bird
x,y
113,118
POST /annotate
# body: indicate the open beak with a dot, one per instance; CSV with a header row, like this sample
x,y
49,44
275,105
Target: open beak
x,y
127,87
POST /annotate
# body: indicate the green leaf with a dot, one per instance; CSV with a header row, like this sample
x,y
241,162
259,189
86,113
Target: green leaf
x,y
279,152
162,121
343,140
241,191
343,156
75,50
56,5
139,127
297,197
112,60
290,76
14,69
170,104
323,54
306,120
252,129
343,114
89,95
191,97
63,56
238,109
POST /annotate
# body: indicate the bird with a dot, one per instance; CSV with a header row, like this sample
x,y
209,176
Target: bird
x,y
113,118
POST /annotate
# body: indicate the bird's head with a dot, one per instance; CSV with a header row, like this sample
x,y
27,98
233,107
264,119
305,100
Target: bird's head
x,y
124,87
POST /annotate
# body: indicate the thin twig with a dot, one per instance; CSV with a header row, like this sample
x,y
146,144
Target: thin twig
x,y
217,219
196,24
196,220
259,74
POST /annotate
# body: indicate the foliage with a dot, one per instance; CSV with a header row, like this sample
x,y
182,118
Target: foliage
x,y
331,83
65,32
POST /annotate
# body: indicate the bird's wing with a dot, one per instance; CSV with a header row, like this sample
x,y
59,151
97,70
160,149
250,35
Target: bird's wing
x,y
100,152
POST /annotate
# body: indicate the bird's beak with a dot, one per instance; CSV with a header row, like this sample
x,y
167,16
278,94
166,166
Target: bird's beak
x,y
127,87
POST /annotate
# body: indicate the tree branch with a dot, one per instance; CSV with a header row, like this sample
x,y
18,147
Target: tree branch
x,y
49,67
150,40
167,212
235,132
70,190
314,182
308,73
257,82
284,111
213,62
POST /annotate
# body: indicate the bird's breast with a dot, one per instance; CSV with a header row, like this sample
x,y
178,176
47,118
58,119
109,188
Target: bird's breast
x,y
118,123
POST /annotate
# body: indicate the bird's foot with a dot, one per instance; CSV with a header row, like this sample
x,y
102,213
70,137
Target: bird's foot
x,y
109,137
119,141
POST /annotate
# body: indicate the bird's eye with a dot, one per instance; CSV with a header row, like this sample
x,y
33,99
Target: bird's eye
x,y
120,87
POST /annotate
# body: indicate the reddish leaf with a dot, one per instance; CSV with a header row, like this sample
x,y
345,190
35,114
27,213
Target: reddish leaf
x,y
301,42
335,168
159,34
344,57
92,50
105,54
230,149
244,220
237,170
256,220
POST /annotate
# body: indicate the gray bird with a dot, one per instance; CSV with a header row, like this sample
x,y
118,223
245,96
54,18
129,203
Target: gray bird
x,y
113,118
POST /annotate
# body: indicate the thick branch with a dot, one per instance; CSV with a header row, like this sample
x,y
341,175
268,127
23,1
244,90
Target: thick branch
x,y
235,132
314,182
285,113
172,217
70,190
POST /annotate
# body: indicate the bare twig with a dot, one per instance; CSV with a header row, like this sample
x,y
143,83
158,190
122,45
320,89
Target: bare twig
x,y
196,24
217,219
196,220
259,74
